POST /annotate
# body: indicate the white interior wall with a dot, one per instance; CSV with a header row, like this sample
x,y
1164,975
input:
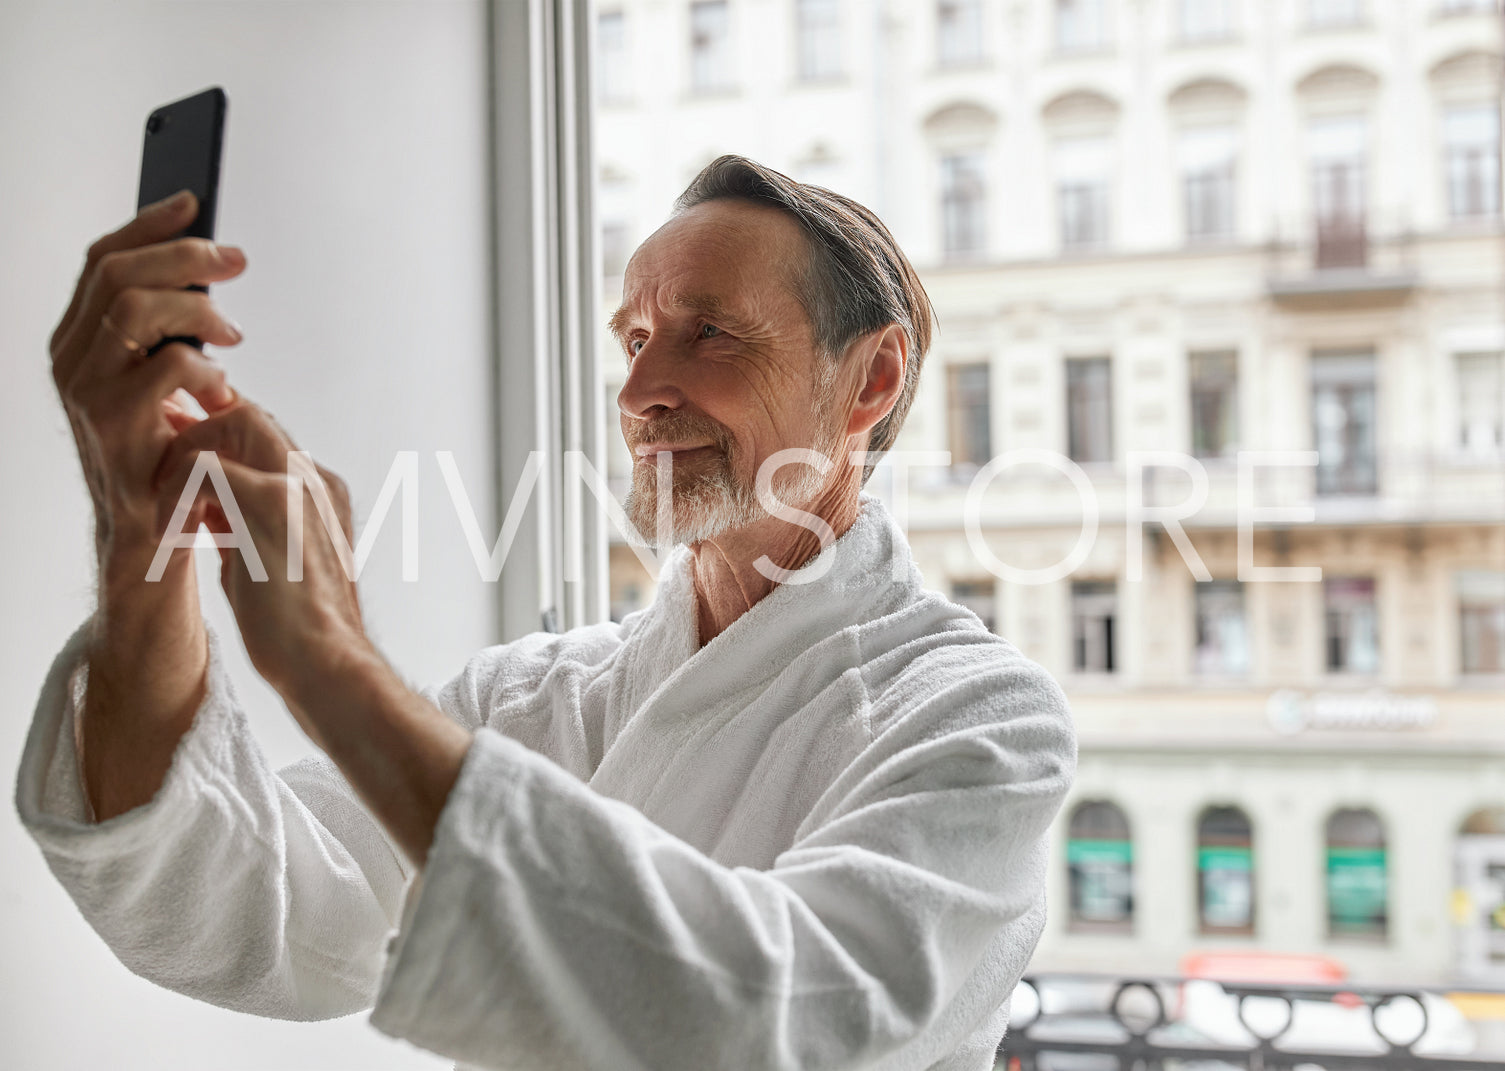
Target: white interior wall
x,y
355,181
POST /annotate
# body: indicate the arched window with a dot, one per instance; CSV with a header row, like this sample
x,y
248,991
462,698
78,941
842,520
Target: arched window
x,y
1100,865
1225,871
1357,884
1479,897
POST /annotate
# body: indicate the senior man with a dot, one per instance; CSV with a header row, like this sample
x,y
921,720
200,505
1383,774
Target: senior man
x,y
792,815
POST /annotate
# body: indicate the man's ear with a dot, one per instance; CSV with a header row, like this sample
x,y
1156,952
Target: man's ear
x,y
884,356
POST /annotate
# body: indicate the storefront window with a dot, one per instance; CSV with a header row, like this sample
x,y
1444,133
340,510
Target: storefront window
x,y
1100,864
1225,871
1357,883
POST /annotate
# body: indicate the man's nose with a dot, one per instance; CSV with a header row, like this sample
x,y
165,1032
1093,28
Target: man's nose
x,y
653,382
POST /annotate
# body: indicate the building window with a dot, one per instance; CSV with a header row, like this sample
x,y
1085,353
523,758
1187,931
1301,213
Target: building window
x,y
963,205
958,31
1328,14
710,46
1094,606
1222,632
1343,417
1351,631
1089,410
1205,20
979,596
1208,155
818,26
615,248
969,415
1083,172
1481,621
1213,376
1225,872
1100,869
613,83
1081,25
1481,402
1339,198
1357,888
1471,159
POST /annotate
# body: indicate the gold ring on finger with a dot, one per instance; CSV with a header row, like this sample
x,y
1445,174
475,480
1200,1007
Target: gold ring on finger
x,y
130,343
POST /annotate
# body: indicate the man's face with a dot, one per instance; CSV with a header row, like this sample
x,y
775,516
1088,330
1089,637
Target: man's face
x,y
722,368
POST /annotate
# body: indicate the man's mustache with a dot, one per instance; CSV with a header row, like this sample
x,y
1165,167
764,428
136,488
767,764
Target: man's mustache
x,y
678,428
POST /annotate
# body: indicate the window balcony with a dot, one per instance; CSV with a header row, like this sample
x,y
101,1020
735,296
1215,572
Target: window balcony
x,y
1341,260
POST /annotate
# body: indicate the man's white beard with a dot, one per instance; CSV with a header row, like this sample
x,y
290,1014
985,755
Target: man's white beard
x,y
707,504
710,502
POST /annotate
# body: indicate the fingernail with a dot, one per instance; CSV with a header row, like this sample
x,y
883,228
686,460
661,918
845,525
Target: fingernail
x,y
235,329
230,254
178,200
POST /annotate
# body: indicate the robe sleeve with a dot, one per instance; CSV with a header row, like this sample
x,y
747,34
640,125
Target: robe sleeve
x,y
555,927
264,892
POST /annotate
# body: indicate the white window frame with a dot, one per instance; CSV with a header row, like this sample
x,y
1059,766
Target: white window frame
x,y
548,393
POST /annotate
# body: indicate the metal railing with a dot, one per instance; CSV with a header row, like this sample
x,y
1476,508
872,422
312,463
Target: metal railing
x,y
1064,1022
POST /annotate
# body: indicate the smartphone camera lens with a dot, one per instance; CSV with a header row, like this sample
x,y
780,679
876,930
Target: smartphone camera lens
x,y
156,123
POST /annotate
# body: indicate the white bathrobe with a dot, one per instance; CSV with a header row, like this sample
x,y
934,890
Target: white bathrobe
x,y
817,842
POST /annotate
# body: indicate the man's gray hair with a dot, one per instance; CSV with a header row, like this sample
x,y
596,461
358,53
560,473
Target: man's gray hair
x,y
856,281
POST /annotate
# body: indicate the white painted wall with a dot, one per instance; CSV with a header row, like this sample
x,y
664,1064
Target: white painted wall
x,y
354,178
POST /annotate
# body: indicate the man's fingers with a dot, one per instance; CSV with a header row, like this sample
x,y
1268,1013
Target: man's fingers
x,y
172,265
241,432
154,223
180,510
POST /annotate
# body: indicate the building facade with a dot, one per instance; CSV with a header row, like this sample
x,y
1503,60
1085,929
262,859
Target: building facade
x,y
1220,371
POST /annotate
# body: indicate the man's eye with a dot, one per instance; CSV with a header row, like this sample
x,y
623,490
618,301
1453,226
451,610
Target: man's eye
x,y
709,330
635,345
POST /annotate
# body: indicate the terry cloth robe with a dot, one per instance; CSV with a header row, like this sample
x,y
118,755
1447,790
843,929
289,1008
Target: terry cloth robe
x,y
817,842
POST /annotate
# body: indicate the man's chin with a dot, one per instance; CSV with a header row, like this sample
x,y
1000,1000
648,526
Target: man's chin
x,y
692,522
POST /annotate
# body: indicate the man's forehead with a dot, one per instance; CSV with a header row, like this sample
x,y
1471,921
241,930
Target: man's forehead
x,y
729,308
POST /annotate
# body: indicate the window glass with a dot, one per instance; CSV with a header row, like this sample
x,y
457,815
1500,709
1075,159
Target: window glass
x,y
1471,151
1343,417
613,76
710,51
1357,876
818,30
1481,621
958,31
970,415
1094,608
1205,20
1481,402
1081,25
1334,13
1089,410
963,205
1207,157
1214,403
1222,632
1225,871
1352,625
1100,869
1083,170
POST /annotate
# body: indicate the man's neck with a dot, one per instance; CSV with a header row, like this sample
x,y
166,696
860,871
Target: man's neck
x,y
728,583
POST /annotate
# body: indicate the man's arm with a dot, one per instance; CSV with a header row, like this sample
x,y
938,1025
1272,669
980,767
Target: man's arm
x,y
263,892
553,926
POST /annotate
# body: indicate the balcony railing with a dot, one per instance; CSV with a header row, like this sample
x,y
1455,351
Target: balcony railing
x,y
1341,258
1063,1022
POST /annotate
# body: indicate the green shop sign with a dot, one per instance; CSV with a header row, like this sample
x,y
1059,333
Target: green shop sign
x,y
1225,858
1099,851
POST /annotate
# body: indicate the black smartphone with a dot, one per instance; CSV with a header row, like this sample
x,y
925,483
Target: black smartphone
x,y
181,150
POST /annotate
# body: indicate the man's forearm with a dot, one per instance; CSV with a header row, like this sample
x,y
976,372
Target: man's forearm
x,y
147,662
400,753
